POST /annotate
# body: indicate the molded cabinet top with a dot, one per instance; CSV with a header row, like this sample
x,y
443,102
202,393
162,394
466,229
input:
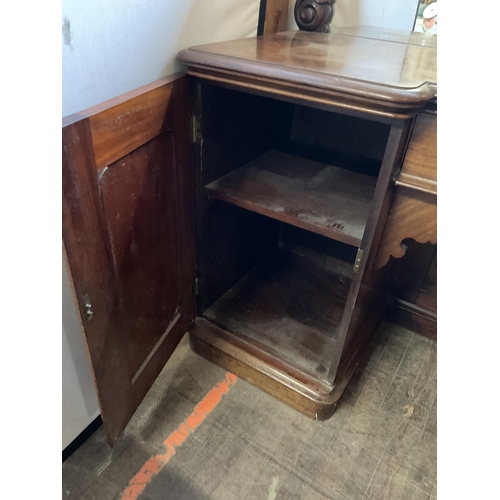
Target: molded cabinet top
x,y
392,66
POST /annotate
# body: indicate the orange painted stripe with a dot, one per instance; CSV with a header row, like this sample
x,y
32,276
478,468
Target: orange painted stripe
x,y
155,464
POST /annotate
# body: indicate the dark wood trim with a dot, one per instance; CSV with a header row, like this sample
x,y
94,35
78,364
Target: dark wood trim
x,y
336,91
323,104
362,296
303,94
262,17
288,385
417,183
118,100
273,16
413,317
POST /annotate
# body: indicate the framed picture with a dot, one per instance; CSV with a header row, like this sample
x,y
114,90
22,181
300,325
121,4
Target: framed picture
x,y
426,18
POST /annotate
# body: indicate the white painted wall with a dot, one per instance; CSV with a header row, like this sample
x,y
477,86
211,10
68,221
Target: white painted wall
x,y
112,47
109,48
389,14
80,404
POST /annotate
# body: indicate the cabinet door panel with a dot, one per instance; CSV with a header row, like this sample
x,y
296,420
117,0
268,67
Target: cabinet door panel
x,y
128,232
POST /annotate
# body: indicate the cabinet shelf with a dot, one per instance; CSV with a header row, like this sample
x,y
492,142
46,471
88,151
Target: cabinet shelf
x,y
289,306
321,198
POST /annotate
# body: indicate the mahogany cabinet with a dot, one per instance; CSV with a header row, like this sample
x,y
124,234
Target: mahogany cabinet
x,y
244,202
410,234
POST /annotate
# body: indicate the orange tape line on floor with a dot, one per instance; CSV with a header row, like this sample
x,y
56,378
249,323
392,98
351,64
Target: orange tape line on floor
x,y
155,464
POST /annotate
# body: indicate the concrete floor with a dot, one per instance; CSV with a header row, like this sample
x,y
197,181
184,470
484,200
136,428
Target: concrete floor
x,y
380,443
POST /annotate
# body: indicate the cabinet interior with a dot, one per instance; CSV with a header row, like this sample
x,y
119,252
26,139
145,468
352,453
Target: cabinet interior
x,y
283,195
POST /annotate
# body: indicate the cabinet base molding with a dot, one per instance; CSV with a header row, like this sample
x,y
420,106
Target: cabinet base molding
x,y
414,318
314,399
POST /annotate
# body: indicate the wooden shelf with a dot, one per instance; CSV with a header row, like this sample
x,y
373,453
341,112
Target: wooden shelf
x,y
321,198
289,306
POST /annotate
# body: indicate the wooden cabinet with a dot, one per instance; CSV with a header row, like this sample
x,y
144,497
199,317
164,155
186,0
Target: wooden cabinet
x,y
244,203
410,233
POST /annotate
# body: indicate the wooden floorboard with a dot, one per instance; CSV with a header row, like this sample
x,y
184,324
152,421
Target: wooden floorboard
x,y
379,444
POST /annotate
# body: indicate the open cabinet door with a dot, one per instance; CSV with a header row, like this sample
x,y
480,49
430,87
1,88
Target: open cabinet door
x,y
128,233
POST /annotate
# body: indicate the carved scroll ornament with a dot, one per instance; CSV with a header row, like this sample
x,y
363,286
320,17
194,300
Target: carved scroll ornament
x,y
314,15
413,215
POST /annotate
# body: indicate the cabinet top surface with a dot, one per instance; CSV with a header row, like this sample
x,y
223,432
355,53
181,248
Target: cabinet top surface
x,y
401,63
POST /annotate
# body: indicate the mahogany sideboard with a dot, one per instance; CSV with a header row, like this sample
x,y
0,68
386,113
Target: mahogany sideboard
x,y
254,202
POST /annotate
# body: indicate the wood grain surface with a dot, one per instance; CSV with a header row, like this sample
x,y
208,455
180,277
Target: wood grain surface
x,y
126,122
390,35
88,255
274,16
413,215
335,68
128,231
325,199
291,306
420,165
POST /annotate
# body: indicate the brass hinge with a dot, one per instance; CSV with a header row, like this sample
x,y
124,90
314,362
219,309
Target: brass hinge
x,y
357,262
195,129
197,286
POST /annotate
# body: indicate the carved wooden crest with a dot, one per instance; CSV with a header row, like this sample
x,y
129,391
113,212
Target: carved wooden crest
x,y
314,15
